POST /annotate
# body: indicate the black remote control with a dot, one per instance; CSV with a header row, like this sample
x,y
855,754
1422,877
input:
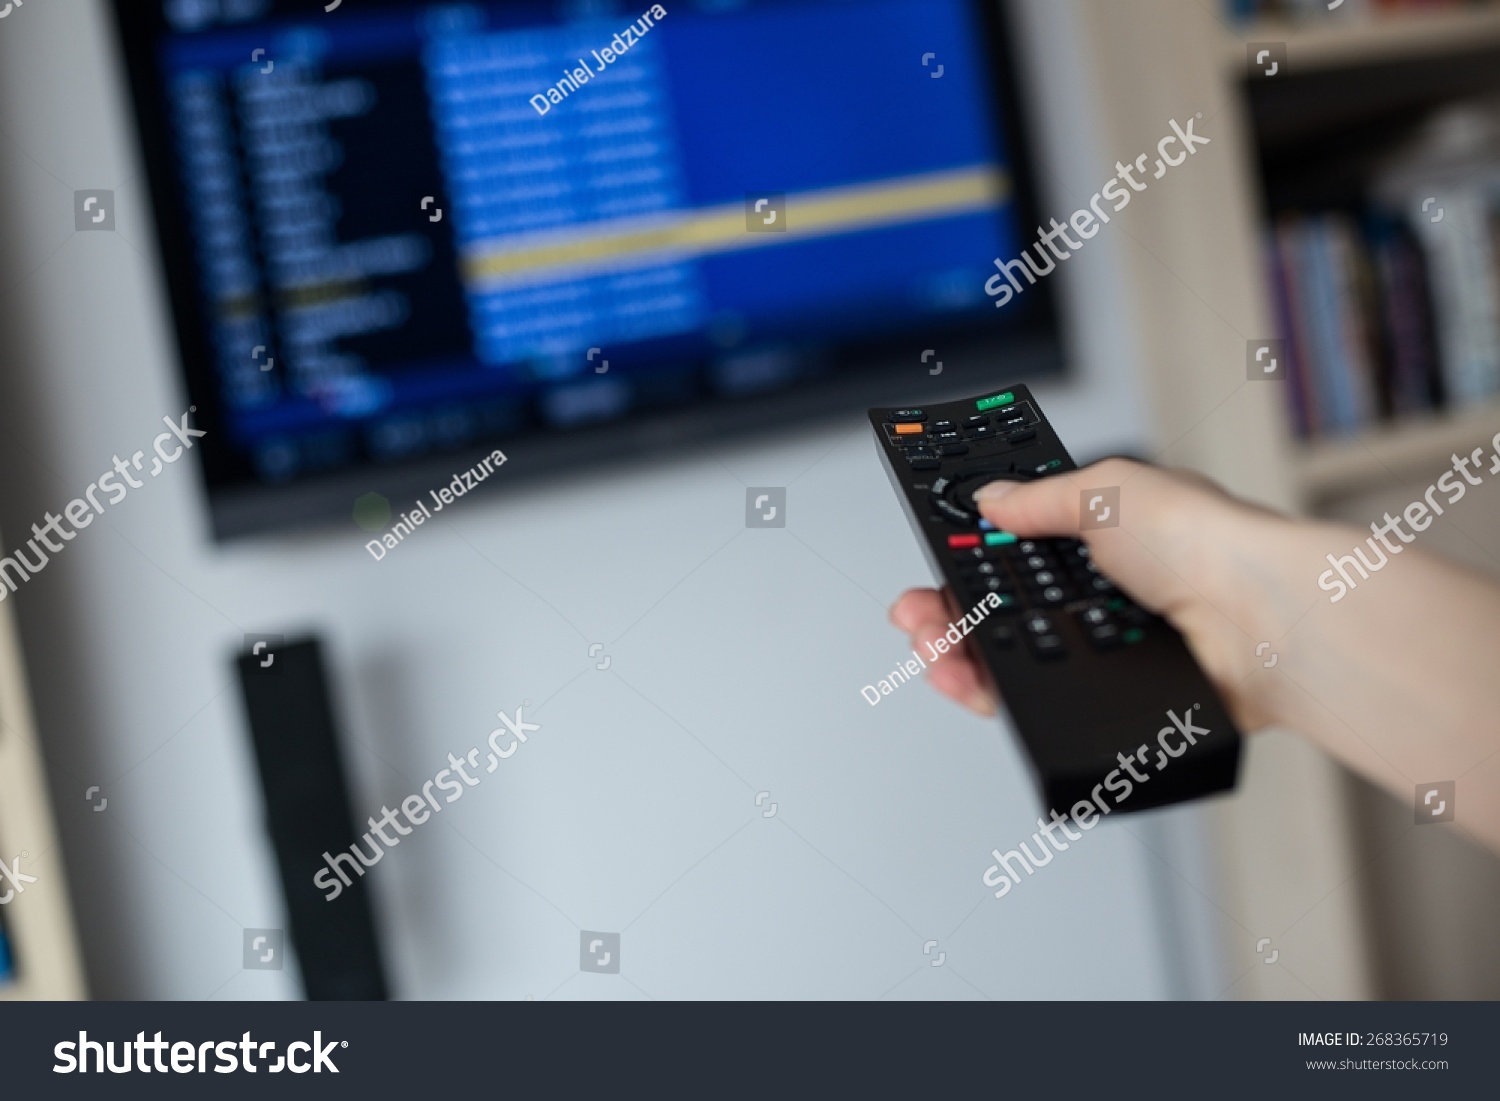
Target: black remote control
x,y
1106,697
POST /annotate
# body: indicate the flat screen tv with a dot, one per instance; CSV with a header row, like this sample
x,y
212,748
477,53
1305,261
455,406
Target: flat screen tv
x,y
400,235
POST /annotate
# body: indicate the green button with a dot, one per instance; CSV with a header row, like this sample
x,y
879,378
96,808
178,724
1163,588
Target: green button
x,y
998,538
995,402
1135,634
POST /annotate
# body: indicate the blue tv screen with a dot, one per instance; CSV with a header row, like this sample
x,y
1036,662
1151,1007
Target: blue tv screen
x,y
571,231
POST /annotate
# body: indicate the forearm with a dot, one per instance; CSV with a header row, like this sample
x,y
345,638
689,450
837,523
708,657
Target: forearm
x,y
1398,678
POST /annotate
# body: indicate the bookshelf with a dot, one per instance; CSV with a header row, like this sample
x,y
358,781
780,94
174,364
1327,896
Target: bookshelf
x,y
1360,92
1333,43
1417,447
1338,67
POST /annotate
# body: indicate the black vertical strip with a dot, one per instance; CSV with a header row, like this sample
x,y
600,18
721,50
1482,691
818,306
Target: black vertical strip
x,y
307,814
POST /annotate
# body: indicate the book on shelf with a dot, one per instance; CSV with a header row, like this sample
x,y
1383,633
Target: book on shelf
x,y
1381,321
1392,310
1466,294
1339,287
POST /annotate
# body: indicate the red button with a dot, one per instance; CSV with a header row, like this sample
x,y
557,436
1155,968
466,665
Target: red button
x,y
959,542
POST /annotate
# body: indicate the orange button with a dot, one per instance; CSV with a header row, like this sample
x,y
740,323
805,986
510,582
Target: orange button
x,y
909,429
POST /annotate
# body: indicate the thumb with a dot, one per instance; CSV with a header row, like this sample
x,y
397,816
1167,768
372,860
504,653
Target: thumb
x,y
1050,506
1029,509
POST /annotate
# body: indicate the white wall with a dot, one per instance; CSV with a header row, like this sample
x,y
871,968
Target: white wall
x,y
735,662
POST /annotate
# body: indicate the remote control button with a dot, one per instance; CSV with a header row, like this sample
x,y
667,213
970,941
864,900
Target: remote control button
x,y
1132,614
953,449
909,429
1047,647
1024,436
943,426
1039,624
1095,616
954,513
976,422
961,542
901,416
1003,635
1028,547
1047,467
1133,635
976,554
985,585
1100,585
1008,604
995,401
1106,636
941,486
1052,595
998,538
975,572
1036,562
1015,418
947,435
979,433
925,463
1041,579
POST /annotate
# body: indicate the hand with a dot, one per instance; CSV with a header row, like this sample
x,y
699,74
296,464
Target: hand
x,y
1395,678
1184,549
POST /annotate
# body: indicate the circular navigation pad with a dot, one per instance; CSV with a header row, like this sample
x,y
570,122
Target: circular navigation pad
x,y
953,494
968,481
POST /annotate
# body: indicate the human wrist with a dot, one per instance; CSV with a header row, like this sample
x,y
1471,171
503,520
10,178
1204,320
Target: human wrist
x,y
1230,557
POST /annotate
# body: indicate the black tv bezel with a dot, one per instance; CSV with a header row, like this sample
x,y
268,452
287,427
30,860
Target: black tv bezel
x,y
891,366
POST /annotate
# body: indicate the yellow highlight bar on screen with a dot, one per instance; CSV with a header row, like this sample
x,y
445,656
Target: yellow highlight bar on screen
x,y
626,243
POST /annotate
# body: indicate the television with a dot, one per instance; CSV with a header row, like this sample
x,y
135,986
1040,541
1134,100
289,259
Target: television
x,y
400,235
